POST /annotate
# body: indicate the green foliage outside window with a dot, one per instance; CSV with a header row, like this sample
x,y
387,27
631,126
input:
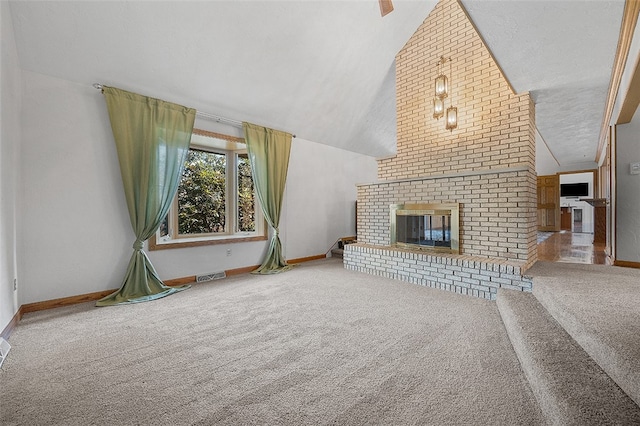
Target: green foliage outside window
x,y
201,194
246,194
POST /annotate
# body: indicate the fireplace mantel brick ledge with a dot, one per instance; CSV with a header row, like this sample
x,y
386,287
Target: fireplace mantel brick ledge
x,y
469,275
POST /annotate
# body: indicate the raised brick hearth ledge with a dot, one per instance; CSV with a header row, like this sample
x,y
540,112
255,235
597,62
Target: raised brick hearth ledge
x,y
470,275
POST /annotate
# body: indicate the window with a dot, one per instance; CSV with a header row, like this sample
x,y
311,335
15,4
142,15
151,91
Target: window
x,y
216,200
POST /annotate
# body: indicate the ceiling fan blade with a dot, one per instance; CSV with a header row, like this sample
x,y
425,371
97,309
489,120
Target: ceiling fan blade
x,y
385,7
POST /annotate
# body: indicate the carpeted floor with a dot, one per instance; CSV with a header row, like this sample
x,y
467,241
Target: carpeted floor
x,y
599,306
316,345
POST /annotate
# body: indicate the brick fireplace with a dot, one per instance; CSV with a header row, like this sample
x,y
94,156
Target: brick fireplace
x,y
486,166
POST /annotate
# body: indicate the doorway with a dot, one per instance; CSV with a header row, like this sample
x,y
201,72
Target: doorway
x,y
575,187
565,218
573,241
577,220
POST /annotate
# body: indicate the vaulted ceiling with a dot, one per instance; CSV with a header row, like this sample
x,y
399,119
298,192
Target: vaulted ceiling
x,y
322,69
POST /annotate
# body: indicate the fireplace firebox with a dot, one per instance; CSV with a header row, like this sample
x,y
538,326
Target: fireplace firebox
x,y
426,226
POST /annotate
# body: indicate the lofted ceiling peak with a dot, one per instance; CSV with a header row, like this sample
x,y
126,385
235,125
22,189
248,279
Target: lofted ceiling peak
x,y
322,69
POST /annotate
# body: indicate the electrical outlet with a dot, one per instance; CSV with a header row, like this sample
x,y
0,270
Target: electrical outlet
x,y
228,252
15,284
634,169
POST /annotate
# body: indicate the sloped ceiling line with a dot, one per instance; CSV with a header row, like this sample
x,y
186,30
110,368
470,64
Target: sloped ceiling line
x,y
301,65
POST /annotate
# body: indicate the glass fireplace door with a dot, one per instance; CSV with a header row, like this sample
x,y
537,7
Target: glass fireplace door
x,y
419,226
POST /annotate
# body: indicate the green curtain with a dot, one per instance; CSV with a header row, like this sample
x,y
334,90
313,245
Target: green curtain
x,y
152,139
268,151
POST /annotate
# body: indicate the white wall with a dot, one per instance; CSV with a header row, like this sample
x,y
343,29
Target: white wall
x,y
75,231
319,204
628,191
546,163
10,101
575,203
74,227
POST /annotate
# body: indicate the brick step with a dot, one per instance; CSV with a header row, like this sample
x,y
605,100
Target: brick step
x,y
569,385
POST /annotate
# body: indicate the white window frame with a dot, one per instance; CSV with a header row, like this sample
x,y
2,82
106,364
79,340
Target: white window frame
x,y
234,147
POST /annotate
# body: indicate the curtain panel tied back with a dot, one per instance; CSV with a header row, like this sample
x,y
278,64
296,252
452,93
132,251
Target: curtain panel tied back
x,y
152,139
268,152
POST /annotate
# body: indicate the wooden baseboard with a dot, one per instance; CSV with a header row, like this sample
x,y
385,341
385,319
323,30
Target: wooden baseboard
x,y
91,297
626,264
65,301
12,324
180,281
306,259
240,271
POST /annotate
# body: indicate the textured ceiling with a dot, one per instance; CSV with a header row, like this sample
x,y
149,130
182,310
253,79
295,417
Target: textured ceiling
x,y
562,52
321,69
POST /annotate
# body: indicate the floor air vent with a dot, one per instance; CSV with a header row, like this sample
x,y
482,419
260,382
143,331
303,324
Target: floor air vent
x,y
4,350
210,277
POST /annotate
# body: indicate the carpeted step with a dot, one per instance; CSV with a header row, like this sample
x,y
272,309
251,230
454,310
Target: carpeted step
x,y
599,307
570,387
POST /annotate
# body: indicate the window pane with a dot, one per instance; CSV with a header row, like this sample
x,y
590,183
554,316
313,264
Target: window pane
x,y
201,194
164,226
246,196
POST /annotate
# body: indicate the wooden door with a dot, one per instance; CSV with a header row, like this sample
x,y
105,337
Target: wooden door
x,y
565,218
548,203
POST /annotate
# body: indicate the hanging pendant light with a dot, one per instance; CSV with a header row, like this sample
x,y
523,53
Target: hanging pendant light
x,y
452,118
442,90
452,112
442,83
438,108
441,93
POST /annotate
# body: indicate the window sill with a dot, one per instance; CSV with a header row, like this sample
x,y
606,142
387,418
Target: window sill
x,y
153,245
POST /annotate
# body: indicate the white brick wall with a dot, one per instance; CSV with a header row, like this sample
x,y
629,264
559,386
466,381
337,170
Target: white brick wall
x,y
496,126
496,131
487,165
496,211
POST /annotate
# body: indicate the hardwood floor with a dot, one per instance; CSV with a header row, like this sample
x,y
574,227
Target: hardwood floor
x,y
572,247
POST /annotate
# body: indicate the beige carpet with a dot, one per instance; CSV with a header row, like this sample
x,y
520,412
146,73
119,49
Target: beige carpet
x,y
569,385
316,345
599,306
